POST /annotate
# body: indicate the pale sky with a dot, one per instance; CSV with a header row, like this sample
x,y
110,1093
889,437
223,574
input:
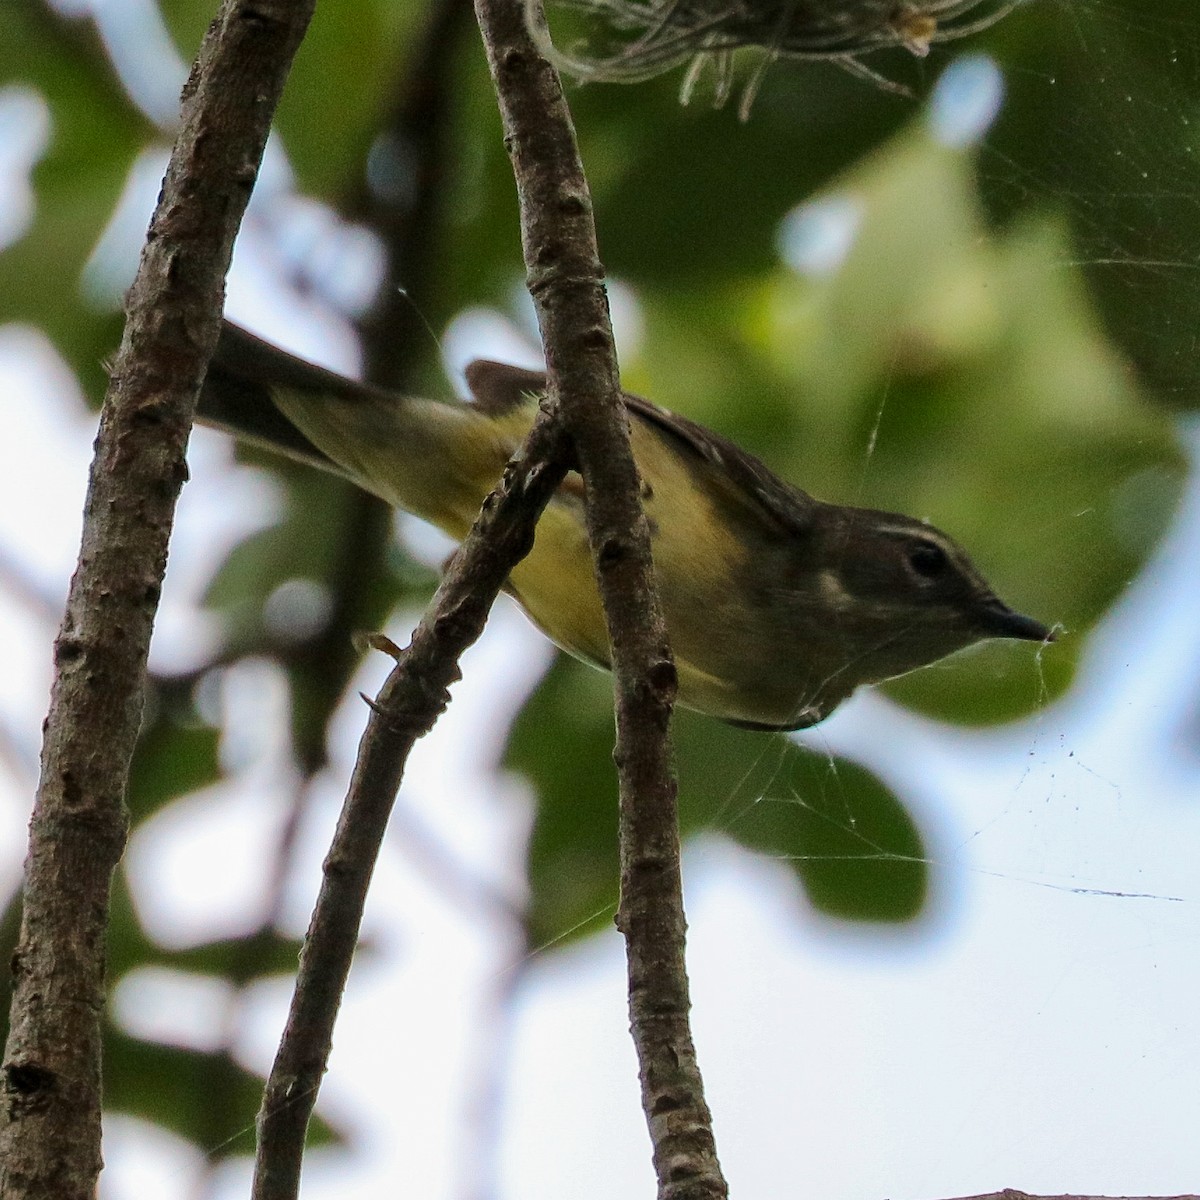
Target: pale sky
x,y
1036,1029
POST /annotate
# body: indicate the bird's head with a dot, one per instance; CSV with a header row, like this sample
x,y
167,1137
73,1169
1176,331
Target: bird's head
x,y
902,594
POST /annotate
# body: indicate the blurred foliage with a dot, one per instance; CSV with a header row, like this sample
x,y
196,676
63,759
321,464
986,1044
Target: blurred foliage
x,y
203,1094
853,847
1001,350
95,136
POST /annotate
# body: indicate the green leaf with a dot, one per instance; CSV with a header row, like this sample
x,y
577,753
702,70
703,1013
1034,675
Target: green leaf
x,y
946,373
562,743
336,90
685,198
176,754
241,960
1100,123
851,844
204,1096
340,539
340,86
95,135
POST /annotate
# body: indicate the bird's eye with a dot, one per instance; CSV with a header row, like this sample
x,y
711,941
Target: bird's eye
x,y
928,559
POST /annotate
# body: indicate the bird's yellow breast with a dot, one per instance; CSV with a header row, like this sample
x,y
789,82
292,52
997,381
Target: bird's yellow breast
x,y
695,555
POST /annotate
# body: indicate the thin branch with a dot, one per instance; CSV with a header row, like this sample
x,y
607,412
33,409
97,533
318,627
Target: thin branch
x,y
409,702
566,281
50,1137
407,220
1012,1194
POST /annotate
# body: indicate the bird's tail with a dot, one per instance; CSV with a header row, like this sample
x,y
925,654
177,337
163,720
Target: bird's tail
x,y
237,394
435,459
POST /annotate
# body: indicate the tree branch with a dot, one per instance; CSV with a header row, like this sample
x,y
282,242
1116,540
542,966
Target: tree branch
x,y
1013,1194
565,279
409,702
50,1136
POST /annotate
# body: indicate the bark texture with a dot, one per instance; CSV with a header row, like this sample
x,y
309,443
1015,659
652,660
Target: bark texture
x,y
411,700
50,1080
566,281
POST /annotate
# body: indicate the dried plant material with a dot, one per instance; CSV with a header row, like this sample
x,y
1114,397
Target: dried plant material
x,y
653,36
916,29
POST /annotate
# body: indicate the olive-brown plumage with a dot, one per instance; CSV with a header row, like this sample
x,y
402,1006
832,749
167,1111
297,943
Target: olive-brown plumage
x,y
778,605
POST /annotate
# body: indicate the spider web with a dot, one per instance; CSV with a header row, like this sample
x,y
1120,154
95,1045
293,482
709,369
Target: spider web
x,y
1062,845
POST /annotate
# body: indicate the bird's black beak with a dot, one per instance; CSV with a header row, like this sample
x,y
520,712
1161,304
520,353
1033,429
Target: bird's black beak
x,y
997,620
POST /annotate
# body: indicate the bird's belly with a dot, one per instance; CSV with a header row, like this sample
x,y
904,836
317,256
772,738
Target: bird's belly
x,y
712,636
556,586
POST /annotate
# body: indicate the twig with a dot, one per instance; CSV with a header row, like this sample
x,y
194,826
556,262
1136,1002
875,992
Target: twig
x,y
415,118
409,224
410,701
566,281
1012,1194
50,1138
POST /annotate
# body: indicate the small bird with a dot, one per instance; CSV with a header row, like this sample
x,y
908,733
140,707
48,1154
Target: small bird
x,y
778,605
